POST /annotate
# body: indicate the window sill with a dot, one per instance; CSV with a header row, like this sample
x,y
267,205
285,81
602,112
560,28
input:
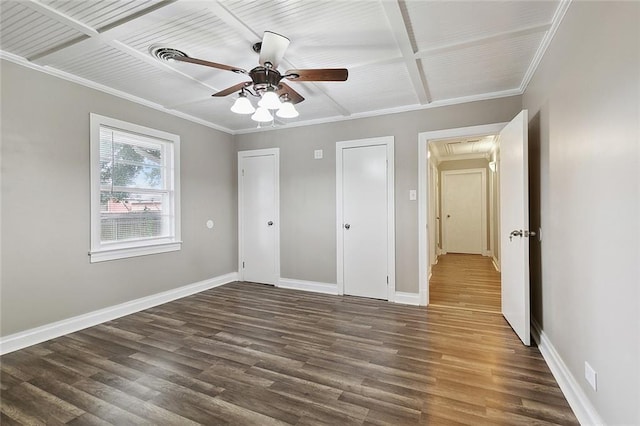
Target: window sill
x,y
123,253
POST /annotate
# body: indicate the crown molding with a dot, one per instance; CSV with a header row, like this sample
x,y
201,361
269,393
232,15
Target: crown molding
x,y
546,41
109,90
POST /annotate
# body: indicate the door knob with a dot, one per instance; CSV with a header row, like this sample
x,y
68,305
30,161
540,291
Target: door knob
x,y
347,226
515,233
448,216
529,233
270,223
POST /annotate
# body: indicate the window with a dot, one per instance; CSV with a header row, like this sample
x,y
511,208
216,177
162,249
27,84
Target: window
x,y
135,190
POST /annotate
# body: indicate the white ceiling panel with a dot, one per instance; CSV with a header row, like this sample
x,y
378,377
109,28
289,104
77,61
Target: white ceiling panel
x,y
326,34
399,53
25,32
488,68
99,14
113,68
443,23
374,87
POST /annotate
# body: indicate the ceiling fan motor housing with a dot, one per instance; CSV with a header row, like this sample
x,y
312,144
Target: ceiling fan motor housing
x,y
263,78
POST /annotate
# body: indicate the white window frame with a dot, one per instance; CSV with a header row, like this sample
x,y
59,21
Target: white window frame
x,y
100,251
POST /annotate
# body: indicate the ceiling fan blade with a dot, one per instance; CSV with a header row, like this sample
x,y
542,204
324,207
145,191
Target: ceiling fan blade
x,y
318,74
273,48
294,96
209,64
232,89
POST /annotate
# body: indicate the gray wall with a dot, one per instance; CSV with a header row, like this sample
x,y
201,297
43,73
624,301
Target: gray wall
x,y
584,113
308,186
46,274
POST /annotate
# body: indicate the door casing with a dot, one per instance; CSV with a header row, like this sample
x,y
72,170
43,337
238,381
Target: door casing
x,y
388,141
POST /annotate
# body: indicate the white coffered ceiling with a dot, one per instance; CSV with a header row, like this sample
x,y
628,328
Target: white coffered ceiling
x,y
463,148
401,54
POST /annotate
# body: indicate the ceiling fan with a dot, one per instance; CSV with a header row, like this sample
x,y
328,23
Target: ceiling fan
x,y
266,82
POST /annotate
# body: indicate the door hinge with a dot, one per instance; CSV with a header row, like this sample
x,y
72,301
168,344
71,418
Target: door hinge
x,y
387,279
242,265
242,172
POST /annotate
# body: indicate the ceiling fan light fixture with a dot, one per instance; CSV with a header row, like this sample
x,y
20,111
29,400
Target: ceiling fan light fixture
x,y
287,110
270,99
242,105
262,115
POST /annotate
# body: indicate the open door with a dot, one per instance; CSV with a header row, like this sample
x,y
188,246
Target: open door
x,y
514,224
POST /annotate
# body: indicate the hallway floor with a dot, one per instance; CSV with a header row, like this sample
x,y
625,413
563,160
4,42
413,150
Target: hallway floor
x,y
465,281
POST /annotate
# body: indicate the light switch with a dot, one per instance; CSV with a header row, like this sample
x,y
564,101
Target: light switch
x,y
412,195
317,154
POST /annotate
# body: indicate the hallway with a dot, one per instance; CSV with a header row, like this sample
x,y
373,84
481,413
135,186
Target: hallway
x,y
465,281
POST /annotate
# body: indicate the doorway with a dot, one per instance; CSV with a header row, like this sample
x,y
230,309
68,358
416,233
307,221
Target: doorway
x,y
365,218
259,216
462,275
430,238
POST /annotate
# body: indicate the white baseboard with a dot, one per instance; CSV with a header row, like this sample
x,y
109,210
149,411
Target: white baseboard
x,y
33,336
407,298
577,399
313,286
495,263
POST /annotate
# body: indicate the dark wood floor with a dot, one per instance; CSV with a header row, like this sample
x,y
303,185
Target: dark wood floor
x,y
465,281
251,354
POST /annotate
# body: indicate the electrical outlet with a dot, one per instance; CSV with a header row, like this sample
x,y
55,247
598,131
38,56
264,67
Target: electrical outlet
x,y
317,154
591,376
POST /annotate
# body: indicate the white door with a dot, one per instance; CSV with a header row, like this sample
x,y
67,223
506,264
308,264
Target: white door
x,y
365,220
514,225
259,216
464,211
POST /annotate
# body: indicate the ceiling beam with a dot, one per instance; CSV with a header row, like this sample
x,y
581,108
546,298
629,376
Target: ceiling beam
x,y
401,34
482,40
86,45
94,39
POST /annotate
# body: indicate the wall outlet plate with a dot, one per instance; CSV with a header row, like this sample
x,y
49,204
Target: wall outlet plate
x,y
317,154
412,195
591,376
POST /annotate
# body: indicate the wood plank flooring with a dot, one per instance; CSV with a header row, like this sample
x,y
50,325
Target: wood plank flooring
x,y
249,354
466,281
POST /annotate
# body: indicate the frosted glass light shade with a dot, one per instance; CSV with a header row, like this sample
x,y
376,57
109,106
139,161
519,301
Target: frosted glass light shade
x,y
270,100
262,115
287,110
242,105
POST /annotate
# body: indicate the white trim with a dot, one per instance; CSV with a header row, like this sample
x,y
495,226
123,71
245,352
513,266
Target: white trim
x,y
407,298
423,139
100,251
496,263
577,399
483,207
103,255
141,101
458,157
275,152
109,90
312,286
388,141
386,111
16,341
544,44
